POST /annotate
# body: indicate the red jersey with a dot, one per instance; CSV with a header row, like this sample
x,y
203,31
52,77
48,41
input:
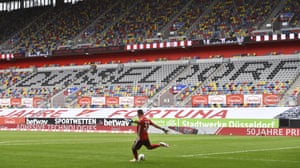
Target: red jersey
x,y
142,128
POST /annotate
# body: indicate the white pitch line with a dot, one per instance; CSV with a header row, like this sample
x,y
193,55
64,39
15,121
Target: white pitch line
x,y
263,160
242,151
54,142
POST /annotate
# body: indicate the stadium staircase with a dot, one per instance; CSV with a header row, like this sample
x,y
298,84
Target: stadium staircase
x,y
78,39
287,99
117,6
165,31
275,12
6,46
193,26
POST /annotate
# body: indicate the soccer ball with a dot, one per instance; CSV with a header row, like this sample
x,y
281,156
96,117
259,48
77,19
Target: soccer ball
x,y
141,156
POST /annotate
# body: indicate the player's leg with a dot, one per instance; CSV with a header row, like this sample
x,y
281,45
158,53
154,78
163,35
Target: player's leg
x,y
149,145
135,147
163,144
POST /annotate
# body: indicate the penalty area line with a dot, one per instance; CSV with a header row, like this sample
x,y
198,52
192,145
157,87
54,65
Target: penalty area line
x,y
241,151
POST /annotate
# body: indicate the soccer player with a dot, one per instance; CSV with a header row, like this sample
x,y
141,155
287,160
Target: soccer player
x,y
143,124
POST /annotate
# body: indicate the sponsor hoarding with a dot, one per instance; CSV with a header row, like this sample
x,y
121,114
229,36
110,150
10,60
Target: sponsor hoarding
x,y
15,101
201,113
140,100
111,101
259,131
217,99
5,102
26,102
259,99
199,100
230,123
271,99
126,101
220,121
78,121
85,100
98,101
234,99
68,128
5,120
253,99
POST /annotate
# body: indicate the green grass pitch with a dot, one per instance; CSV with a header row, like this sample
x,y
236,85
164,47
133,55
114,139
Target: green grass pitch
x,y
90,150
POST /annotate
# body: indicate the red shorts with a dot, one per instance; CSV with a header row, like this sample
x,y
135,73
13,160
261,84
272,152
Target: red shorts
x,y
139,143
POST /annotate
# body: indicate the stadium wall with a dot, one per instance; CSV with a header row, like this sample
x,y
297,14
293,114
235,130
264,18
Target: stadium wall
x,y
262,121
230,50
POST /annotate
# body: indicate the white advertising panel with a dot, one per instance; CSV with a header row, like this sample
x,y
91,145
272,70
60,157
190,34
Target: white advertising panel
x,y
201,113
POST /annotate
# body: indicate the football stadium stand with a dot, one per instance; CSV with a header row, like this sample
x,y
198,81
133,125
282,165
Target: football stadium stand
x,y
178,80
139,24
41,30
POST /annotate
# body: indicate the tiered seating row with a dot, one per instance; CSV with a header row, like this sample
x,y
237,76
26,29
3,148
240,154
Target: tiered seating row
x,y
183,78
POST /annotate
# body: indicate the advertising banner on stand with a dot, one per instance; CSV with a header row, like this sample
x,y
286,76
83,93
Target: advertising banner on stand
x,y
200,113
271,99
234,99
199,100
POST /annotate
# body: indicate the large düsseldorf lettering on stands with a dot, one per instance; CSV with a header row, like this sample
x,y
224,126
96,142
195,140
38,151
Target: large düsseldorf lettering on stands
x,y
49,78
256,70
146,74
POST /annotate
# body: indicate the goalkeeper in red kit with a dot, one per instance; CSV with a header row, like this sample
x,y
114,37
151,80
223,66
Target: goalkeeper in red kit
x,y
143,124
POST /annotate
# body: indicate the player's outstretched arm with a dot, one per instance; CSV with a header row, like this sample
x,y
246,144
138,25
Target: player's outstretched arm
x,y
161,128
131,121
